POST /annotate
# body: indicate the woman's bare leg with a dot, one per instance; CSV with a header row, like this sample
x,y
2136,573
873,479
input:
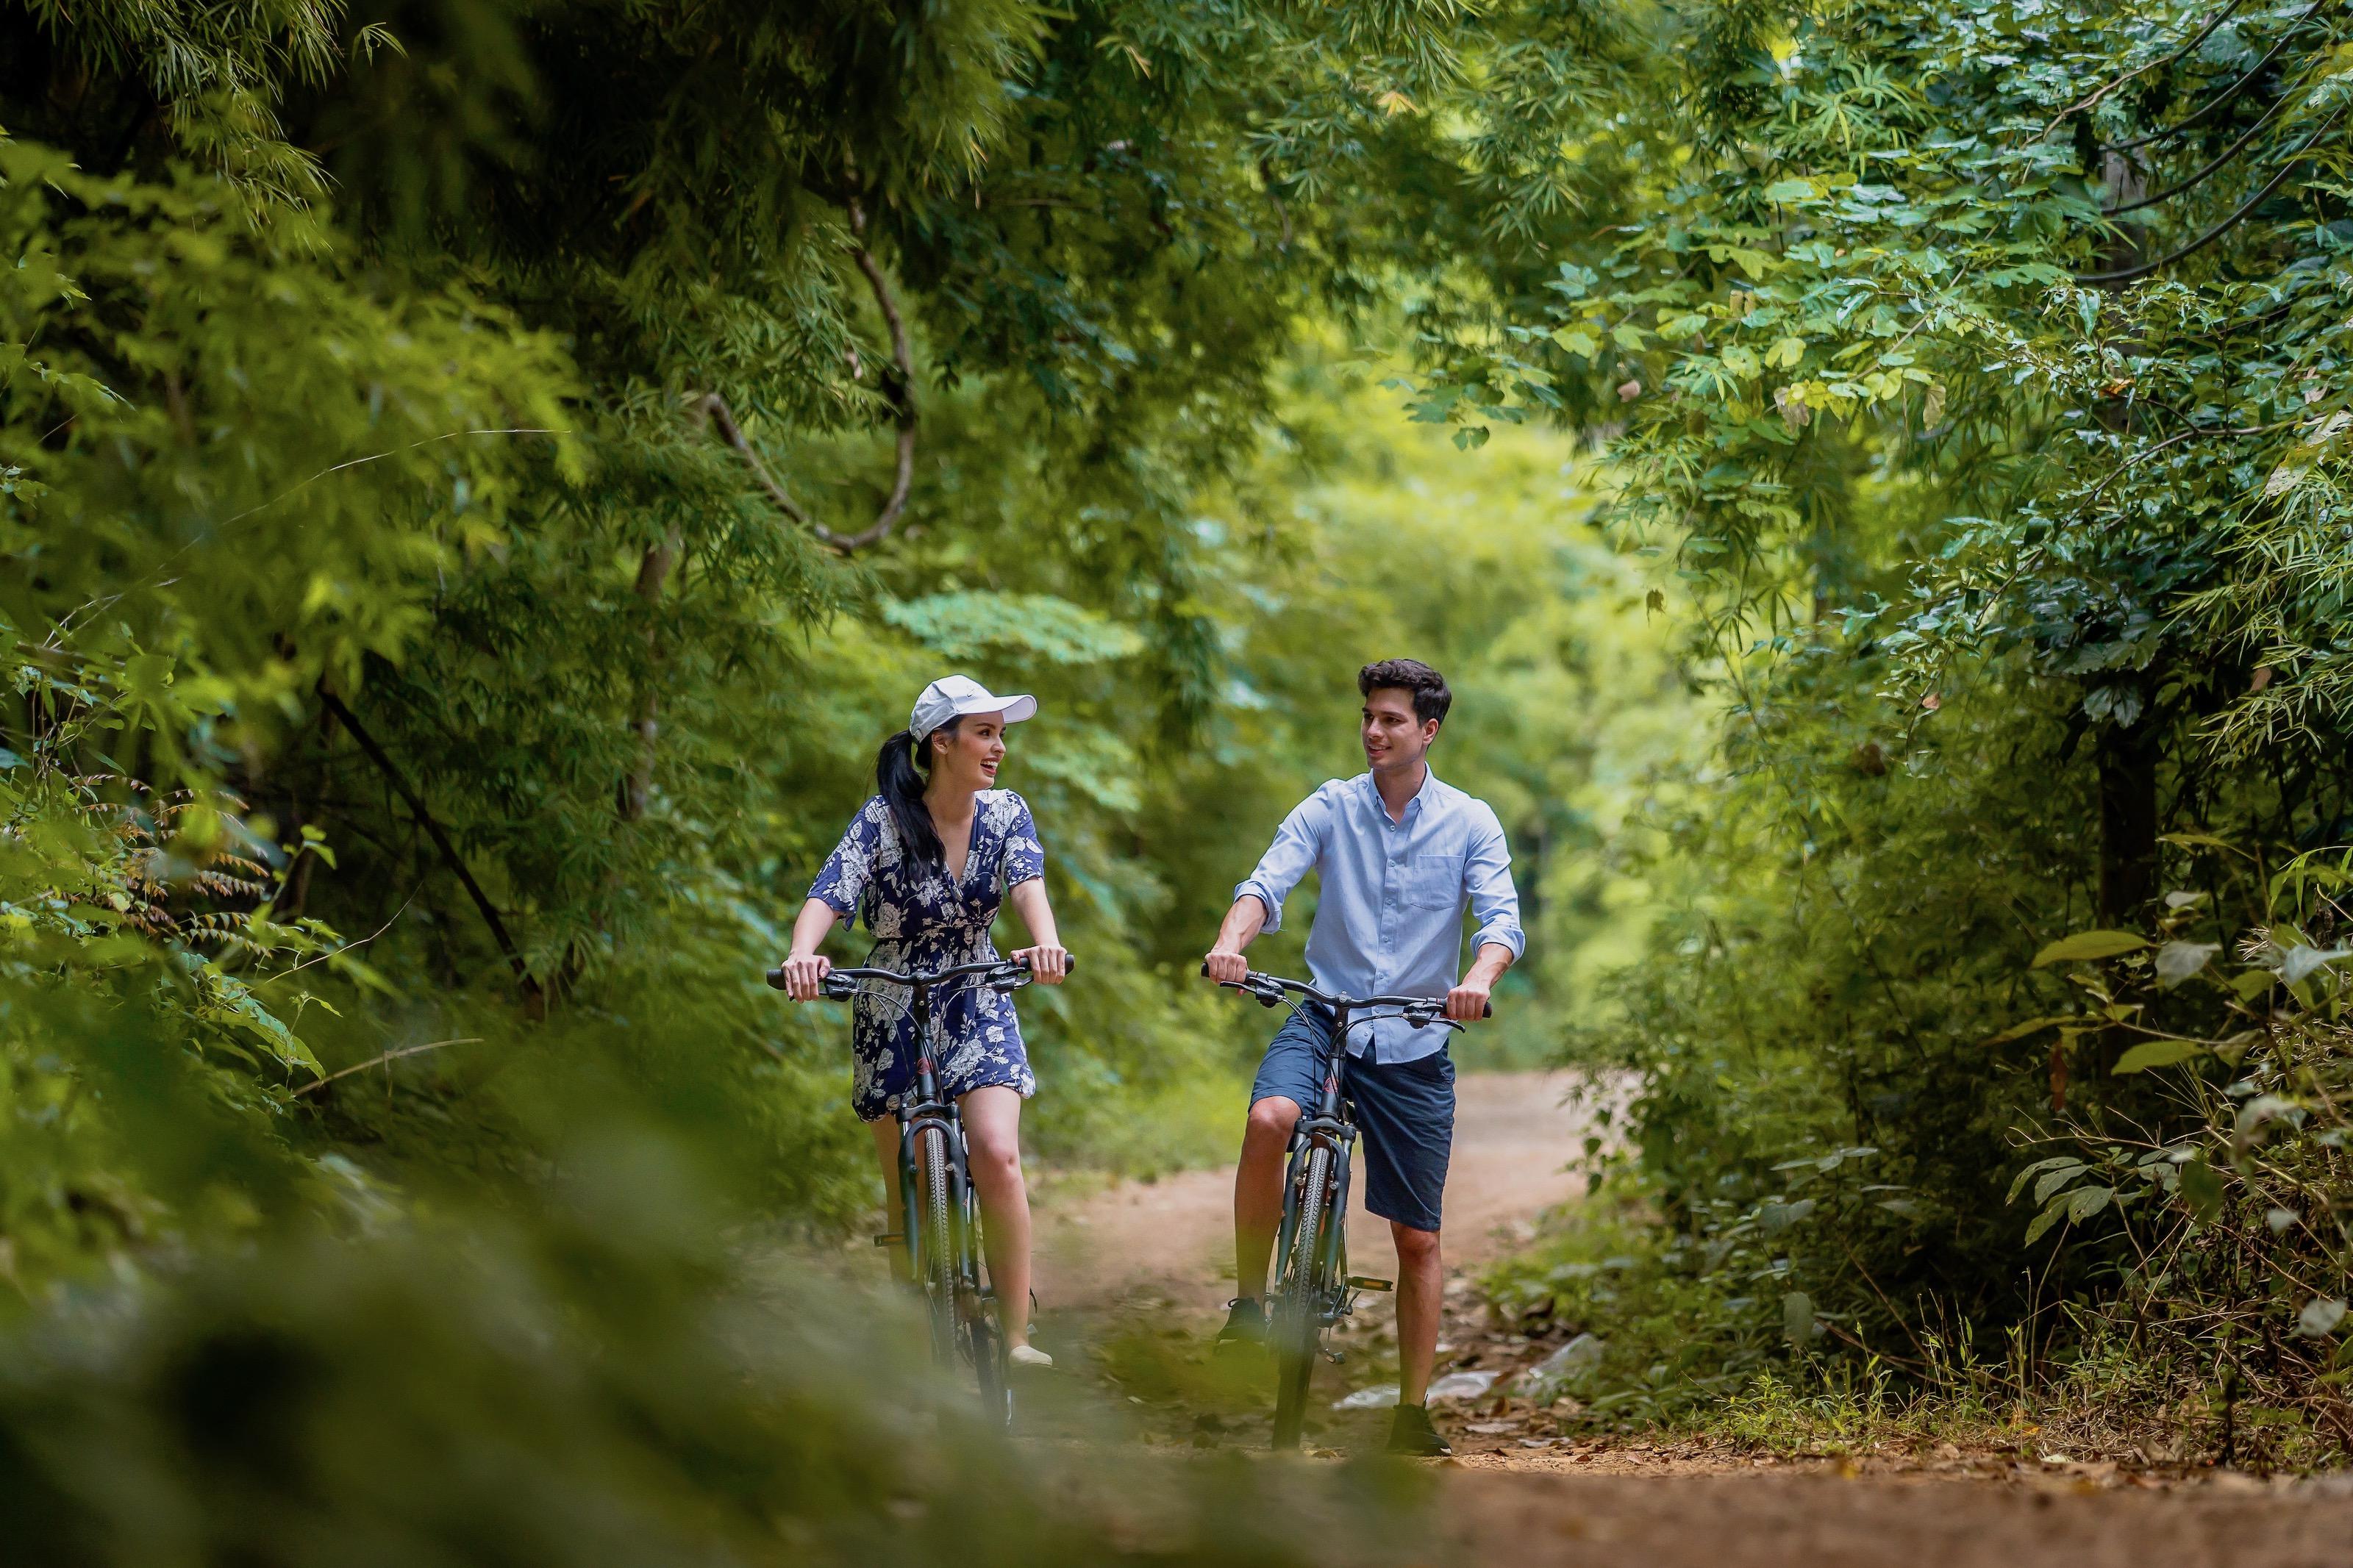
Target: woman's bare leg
x,y
992,1132
886,1149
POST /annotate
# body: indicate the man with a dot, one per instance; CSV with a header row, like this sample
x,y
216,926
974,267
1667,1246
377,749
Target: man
x,y
1398,853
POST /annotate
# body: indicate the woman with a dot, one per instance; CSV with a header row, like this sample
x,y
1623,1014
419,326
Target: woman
x,y
927,863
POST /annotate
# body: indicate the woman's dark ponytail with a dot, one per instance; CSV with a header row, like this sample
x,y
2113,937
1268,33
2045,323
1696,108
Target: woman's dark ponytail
x,y
901,785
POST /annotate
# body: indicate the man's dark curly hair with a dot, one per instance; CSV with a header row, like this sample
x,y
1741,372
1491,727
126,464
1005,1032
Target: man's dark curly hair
x,y
1431,697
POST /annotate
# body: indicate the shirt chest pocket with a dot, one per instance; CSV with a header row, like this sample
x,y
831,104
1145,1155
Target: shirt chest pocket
x,y
1432,881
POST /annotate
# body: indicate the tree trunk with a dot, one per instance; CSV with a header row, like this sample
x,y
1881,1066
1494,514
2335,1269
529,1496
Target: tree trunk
x,y
653,572
2128,759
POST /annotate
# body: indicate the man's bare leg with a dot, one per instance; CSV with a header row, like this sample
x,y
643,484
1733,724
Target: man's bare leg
x,y
1258,1191
1420,1290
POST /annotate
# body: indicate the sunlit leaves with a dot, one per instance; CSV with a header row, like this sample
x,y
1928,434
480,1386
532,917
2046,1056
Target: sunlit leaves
x,y
959,626
2090,944
2157,1054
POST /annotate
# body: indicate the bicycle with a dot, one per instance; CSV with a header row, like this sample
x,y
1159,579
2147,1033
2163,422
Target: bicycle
x,y
1313,1290
939,1221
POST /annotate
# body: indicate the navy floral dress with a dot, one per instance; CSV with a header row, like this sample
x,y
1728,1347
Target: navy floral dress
x,y
922,917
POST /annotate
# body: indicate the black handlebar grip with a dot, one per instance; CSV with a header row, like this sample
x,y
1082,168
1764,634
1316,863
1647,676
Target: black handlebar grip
x,y
776,977
1486,1009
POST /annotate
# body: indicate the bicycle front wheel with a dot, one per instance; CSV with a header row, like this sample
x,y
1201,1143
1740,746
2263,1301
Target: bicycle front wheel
x,y
936,1258
1298,1325
986,1344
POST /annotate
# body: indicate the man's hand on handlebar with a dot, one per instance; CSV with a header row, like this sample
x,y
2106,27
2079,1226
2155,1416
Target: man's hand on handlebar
x,y
805,977
1468,1001
1049,962
1225,968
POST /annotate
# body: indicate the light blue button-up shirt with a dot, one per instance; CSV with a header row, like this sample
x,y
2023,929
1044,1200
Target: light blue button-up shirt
x,y
1389,922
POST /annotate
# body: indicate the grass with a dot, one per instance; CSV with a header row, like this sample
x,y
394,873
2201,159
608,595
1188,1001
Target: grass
x,y
1684,1355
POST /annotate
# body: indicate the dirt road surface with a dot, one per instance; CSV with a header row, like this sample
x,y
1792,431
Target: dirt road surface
x,y
1169,1244
1134,1278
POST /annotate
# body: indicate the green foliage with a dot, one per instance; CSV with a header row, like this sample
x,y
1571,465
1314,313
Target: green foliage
x,y
466,553
482,480
146,1091
1992,483
514,466
1678,1332
608,1383
2221,1221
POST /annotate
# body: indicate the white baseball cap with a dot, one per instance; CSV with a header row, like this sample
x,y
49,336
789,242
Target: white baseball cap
x,y
952,696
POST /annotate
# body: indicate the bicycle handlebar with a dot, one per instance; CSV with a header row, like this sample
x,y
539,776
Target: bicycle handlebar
x,y
1015,970
1268,989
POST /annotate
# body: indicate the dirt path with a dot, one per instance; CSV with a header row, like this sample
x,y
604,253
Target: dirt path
x,y
1168,1244
1777,1519
1133,1279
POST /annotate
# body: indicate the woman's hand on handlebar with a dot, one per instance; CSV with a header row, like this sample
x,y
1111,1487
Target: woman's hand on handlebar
x,y
1225,968
805,976
1049,962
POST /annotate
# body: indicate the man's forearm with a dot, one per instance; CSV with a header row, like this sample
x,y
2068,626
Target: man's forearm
x,y
1225,963
1242,923
1489,966
1469,998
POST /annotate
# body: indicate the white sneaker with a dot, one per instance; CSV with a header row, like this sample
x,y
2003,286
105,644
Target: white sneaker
x,y
1030,1356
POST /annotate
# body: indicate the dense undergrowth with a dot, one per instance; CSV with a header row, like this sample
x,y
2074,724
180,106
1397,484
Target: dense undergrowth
x,y
1980,373
2158,1256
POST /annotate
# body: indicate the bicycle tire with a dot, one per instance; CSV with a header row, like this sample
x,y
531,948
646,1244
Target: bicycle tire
x,y
938,1256
986,1342
991,1368
1299,1306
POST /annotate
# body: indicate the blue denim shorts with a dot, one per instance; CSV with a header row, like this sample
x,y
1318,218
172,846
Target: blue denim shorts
x,y
1405,1109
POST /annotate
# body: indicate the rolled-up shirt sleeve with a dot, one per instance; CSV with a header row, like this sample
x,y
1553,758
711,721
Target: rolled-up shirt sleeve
x,y
1290,858
1487,877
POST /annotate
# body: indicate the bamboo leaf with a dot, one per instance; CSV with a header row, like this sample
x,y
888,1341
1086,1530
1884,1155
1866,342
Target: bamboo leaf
x,y
2157,1054
2087,945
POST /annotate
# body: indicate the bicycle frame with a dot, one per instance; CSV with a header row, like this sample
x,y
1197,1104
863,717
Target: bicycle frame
x,y
1330,1122
961,1322
1315,1291
927,1107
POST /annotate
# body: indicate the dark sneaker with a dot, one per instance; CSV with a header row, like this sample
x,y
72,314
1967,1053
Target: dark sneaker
x,y
1414,1436
1245,1324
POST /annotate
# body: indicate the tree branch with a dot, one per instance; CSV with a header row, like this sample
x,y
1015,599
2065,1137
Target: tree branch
x,y
898,387
653,571
534,997
2228,153
380,1061
2175,440
2226,96
715,407
2128,274
2092,102
1266,179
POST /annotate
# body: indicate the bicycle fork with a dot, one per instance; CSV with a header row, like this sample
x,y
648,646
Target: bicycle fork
x,y
915,1121
1336,1139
